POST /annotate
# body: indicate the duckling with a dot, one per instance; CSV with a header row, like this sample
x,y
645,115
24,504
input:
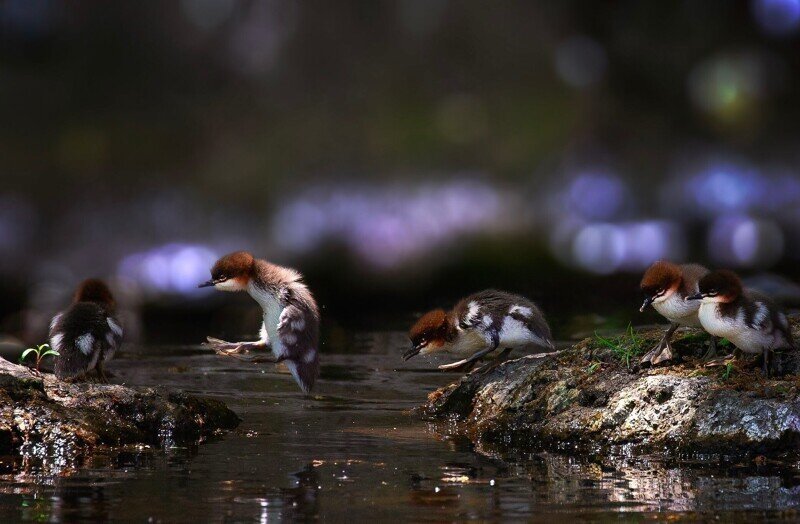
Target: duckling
x,y
750,320
290,315
665,286
477,326
87,334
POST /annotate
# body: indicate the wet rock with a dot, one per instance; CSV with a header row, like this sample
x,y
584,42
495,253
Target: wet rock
x,y
588,395
44,417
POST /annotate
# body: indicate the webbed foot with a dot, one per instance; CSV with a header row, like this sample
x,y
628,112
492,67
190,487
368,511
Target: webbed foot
x,y
720,361
654,356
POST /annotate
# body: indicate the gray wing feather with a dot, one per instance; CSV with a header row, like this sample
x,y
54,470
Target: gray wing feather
x,y
298,332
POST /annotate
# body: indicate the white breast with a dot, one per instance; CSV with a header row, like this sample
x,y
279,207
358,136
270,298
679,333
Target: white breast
x,y
736,330
675,309
712,321
272,310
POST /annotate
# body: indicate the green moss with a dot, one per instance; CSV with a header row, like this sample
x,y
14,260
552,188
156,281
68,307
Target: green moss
x,y
625,346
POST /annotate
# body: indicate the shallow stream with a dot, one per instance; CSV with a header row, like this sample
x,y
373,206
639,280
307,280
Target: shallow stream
x,y
354,452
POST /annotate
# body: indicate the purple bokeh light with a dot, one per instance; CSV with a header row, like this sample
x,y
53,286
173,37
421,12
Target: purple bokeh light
x,y
743,241
777,17
387,225
596,195
631,246
170,268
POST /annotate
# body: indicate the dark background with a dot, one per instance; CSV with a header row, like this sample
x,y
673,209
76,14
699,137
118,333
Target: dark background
x,y
400,154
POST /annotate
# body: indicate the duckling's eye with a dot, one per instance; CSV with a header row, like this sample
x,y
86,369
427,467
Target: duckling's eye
x,y
660,292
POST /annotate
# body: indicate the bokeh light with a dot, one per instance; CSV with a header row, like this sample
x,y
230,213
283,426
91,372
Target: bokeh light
x,y
596,195
391,224
777,17
743,241
171,268
606,248
729,87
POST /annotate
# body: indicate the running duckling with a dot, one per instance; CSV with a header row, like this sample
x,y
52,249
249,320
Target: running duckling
x,y
666,286
290,315
87,334
477,326
750,320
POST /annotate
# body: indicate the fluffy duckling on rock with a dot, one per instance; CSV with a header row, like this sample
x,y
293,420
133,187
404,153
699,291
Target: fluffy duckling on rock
x,y
750,320
666,286
87,334
478,325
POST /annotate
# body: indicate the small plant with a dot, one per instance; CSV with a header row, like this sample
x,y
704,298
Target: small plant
x,y
41,351
624,346
591,368
726,373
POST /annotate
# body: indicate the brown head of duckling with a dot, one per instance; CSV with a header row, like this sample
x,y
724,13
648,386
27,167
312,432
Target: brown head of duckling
x,y
94,290
719,286
232,272
429,333
659,281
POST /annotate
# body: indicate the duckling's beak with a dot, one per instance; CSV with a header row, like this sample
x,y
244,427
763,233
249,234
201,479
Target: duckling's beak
x,y
210,283
413,351
696,296
647,302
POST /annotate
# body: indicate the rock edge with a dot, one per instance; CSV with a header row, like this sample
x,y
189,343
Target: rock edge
x,y
40,414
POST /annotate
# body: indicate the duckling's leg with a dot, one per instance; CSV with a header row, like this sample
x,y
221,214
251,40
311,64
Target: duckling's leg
x,y
712,349
254,359
663,351
101,374
469,363
221,347
765,368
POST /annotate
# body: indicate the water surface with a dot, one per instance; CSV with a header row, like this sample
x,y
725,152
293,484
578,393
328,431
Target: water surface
x,y
353,452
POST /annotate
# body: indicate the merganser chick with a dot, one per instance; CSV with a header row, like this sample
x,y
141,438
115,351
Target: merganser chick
x,y
478,325
665,286
290,315
750,320
87,334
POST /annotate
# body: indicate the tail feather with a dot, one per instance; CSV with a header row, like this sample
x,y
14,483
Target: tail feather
x,y
304,373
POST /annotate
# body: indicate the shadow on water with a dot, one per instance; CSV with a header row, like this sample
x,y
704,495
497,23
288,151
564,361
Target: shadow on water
x,y
353,451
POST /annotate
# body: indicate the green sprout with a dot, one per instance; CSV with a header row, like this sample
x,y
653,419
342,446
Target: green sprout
x,y
726,374
41,351
624,346
592,368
